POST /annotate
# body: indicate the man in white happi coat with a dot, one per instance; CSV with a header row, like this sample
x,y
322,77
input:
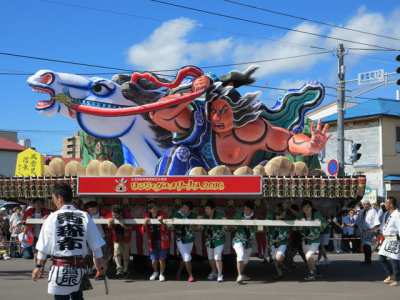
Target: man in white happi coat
x,y
389,252
367,223
65,237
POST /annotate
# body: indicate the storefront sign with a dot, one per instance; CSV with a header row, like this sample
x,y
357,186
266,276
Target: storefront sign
x,y
170,185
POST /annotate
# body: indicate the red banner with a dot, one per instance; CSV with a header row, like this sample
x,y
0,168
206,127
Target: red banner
x,y
170,185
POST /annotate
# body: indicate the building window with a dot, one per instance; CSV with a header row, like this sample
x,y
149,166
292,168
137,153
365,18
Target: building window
x,y
398,139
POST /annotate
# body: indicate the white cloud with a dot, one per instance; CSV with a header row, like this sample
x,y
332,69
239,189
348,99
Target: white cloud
x,y
372,22
260,50
168,47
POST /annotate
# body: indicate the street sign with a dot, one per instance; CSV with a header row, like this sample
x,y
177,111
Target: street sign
x,y
333,167
371,77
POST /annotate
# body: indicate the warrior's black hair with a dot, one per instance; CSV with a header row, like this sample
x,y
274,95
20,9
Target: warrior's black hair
x,y
245,108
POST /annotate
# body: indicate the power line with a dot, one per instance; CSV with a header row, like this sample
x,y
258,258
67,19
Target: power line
x,y
31,73
63,61
366,98
41,131
155,71
266,24
309,20
375,99
208,28
368,57
259,61
372,49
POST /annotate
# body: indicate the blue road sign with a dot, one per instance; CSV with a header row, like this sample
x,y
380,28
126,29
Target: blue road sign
x,y
333,167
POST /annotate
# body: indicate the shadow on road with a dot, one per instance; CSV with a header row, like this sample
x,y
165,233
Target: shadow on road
x,y
339,270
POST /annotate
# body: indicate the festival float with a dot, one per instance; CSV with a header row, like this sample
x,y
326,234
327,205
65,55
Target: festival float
x,y
195,137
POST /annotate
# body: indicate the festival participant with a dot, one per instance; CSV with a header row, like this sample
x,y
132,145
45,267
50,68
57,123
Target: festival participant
x,y
157,240
93,210
25,238
337,229
323,243
295,243
4,230
367,223
242,241
185,238
389,253
349,222
15,229
121,235
36,211
278,239
311,235
65,236
214,240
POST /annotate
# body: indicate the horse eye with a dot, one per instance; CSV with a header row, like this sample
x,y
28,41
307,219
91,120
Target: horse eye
x,y
97,88
101,89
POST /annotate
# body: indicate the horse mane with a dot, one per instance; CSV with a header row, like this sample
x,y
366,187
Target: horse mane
x,y
144,92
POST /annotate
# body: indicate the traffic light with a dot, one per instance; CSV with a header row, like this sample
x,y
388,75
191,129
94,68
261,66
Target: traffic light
x,y
398,69
355,156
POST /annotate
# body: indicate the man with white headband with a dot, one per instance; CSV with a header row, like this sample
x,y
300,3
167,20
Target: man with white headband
x,y
367,223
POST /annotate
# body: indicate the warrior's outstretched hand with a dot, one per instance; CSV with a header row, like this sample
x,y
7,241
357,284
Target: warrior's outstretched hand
x,y
319,137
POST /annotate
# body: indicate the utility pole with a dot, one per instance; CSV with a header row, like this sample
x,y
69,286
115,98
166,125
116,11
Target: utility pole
x,y
340,108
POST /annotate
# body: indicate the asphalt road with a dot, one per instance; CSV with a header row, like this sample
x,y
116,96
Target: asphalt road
x,y
343,279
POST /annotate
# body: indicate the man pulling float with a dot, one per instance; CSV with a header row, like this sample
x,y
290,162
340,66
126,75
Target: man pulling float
x,y
65,236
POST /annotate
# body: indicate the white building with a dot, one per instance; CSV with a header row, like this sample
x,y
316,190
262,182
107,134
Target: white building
x,y
376,125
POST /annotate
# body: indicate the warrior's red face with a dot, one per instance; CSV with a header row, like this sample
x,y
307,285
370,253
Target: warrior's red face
x,y
221,116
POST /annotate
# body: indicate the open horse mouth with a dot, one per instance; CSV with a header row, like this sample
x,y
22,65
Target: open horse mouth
x,y
41,85
44,104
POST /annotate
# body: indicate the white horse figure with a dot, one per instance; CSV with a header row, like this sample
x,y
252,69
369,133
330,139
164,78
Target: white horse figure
x,y
135,133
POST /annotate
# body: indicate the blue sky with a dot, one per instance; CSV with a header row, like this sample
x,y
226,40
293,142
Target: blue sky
x,y
142,34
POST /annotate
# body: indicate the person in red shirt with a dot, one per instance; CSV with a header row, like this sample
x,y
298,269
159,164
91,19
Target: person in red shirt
x,y
157,239
121,236
35,211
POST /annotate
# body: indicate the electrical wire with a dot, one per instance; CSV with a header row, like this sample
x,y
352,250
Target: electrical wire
x,y
265,24
203,27
156,71
372,49
275,12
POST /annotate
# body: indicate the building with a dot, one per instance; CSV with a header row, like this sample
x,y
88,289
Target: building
x,y
9,135
25,143
9,150
375,124
72,147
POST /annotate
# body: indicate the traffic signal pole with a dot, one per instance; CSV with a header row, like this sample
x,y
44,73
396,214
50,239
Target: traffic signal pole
x,y
340,108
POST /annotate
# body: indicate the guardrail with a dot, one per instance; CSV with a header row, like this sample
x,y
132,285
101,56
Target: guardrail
x,y
223,222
